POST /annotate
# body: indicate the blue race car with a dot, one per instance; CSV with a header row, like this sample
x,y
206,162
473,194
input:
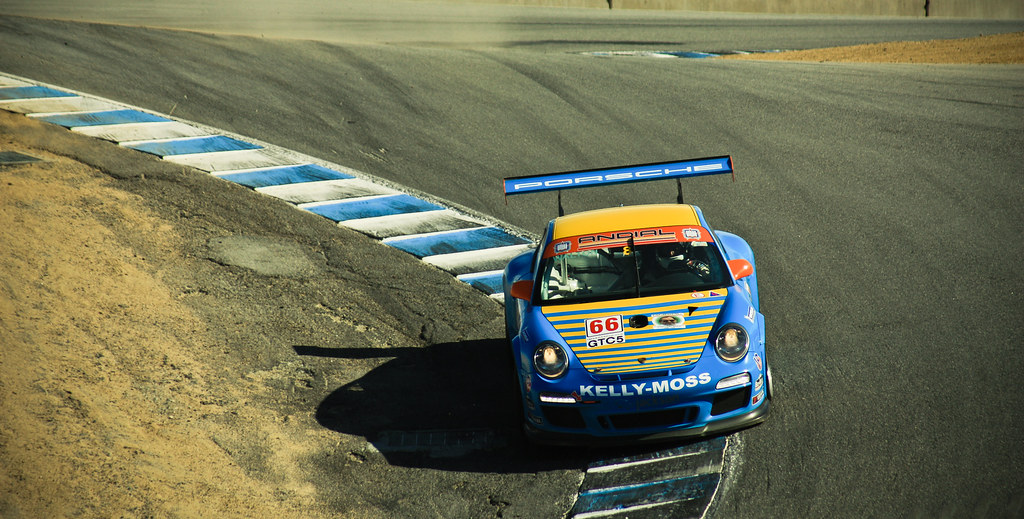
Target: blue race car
x,y
635,323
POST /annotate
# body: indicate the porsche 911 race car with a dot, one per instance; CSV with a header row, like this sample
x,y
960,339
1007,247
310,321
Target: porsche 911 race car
x,y
635,323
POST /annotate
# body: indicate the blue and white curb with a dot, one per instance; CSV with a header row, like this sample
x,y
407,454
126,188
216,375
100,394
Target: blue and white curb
x,y
680,482
470,246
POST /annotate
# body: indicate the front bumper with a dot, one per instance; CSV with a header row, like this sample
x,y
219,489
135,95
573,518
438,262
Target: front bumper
x,y
713,428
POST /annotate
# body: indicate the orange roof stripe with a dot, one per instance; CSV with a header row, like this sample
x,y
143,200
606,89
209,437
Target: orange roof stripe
x,y
624,218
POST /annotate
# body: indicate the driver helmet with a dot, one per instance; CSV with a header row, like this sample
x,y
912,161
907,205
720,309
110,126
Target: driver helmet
x,y
668,254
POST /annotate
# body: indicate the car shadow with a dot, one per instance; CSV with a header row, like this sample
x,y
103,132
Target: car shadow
x,y
447,406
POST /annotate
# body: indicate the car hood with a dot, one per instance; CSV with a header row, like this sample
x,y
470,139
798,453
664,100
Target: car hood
x,y
610,337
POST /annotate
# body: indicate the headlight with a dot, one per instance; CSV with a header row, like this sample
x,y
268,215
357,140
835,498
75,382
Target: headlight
x,y
550,360
732,342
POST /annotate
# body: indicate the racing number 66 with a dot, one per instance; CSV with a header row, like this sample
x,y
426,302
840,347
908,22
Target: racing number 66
x,y
606,325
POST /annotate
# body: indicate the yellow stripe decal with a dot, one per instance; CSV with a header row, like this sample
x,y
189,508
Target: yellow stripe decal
x,y
652,347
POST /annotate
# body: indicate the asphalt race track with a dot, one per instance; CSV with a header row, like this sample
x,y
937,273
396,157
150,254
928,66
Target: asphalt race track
x,y
884,201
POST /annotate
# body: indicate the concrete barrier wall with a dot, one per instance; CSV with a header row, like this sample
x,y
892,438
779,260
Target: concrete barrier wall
x,y
859,7
993,9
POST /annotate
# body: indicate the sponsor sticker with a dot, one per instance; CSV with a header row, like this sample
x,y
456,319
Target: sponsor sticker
x,y
671,234
603,331
656,235
668,321
657,387
757,398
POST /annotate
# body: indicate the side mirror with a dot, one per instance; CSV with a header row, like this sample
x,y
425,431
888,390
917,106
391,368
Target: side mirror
x,y
522,290
740,268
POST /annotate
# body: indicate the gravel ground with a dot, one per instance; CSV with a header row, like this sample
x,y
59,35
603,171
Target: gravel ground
x,y
997,48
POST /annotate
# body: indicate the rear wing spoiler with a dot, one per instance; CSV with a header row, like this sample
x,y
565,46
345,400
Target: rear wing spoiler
x,y
619,175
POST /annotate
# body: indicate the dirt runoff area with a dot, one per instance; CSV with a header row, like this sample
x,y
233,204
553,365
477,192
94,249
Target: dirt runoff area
x,y
997,48
156,325
153,320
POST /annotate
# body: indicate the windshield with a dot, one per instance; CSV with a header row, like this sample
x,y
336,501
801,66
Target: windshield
x,y
632,270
